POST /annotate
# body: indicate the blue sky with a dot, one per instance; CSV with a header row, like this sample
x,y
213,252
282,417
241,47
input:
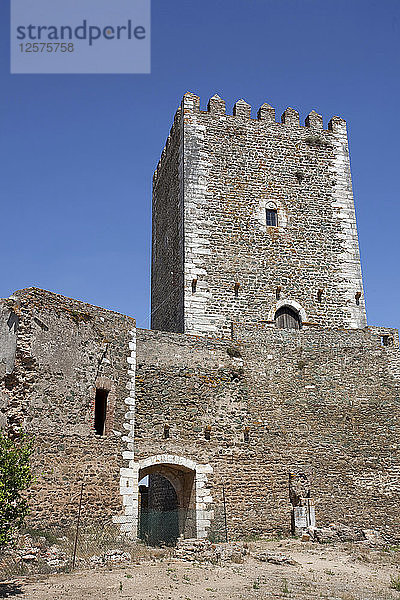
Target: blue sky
x,y
77,152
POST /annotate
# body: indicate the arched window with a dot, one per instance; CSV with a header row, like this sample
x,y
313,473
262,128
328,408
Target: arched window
x,y
287,318
271,215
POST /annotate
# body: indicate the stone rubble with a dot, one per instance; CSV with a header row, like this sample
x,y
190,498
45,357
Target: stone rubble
x,y
201,550
275,559
343,533
111,556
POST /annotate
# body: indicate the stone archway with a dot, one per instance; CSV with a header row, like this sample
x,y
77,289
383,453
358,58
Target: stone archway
x,y
291,304
167,508
190,482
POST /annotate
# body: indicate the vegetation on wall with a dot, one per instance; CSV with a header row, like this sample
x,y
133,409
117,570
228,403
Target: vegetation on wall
x,y
15,477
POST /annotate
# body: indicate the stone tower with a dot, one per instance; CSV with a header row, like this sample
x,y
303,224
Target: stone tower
x,y
254,221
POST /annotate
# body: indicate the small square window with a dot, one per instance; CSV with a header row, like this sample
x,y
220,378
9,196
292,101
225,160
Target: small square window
x,y
386,340
272,217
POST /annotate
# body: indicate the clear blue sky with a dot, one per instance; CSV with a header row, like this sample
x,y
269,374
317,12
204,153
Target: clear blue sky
x,y
77,152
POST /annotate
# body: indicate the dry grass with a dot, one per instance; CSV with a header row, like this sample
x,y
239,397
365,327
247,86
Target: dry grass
x,y
341,572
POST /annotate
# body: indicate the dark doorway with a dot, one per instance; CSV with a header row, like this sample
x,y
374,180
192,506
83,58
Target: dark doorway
x,y
287,318
159,512
167,504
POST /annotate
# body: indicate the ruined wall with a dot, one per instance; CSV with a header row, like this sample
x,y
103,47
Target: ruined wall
x,y
65,349
8,343
271,402
233,167
324,403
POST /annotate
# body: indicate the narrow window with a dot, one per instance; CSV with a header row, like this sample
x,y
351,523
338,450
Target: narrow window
x,y
207,432
272,217
194,285
246,434
166,432
100,410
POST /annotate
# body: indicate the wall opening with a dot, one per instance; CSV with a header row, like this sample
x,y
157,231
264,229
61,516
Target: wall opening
x,y
386,340
100,410
166,504
287,318
271,217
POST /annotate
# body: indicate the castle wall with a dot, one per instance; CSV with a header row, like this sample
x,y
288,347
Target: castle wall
x,y
319,402
167,236
233,168
65,349
8,345
272,402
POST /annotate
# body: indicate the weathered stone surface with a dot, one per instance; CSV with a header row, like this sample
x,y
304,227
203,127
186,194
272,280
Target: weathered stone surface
x,y
323,403
65,349
223,418
217,175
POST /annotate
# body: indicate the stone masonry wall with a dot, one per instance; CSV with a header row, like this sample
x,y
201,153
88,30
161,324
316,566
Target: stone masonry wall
x,y
325,403
233,168
167,246
271,402
64,350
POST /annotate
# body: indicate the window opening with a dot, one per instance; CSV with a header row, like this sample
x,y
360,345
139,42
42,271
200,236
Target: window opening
x,y
100,410
386,340
272,217
287,318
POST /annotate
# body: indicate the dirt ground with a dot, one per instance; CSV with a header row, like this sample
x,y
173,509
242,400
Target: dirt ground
x,y
334,572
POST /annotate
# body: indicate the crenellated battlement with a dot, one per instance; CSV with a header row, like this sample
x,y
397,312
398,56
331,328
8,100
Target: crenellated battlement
x,y
176,123
216,107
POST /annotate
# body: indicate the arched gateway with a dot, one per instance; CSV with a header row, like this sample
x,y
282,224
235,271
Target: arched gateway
x,y
172,500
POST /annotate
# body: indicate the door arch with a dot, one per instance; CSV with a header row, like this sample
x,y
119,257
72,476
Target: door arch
x,y
167,508
190,481
287,305
287,318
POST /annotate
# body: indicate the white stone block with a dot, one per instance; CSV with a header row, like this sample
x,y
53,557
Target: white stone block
x,y
124,472
204,469
126,527
125,490
128,455
207,499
